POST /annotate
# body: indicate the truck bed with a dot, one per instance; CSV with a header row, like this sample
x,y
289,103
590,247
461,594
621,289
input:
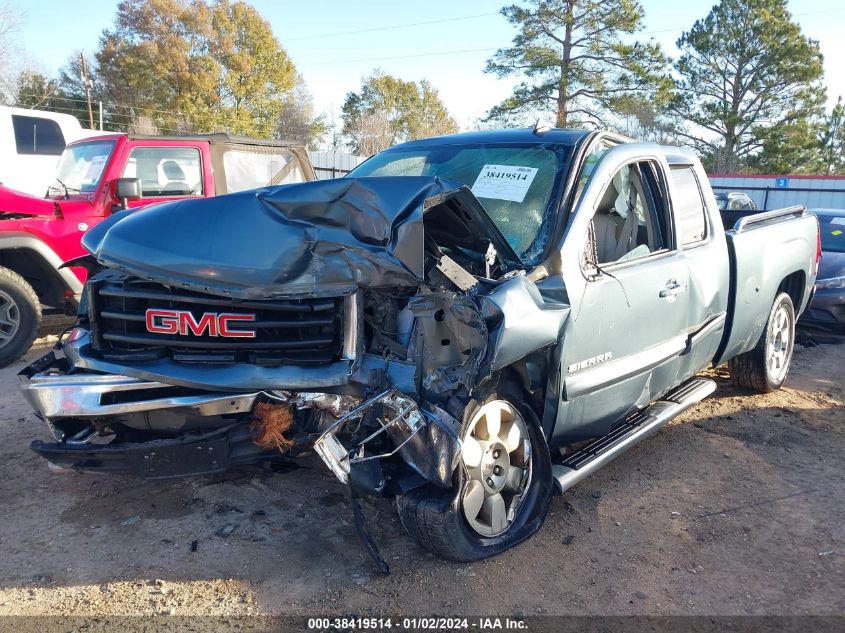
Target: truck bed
x,y
769,252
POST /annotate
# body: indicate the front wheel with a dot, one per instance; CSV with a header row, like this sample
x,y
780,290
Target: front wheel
x,y
20,316
502,488
764,368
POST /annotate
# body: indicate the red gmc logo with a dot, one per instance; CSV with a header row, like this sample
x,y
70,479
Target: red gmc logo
x,y
183,322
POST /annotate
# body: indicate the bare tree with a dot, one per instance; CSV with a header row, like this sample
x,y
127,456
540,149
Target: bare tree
x,y
297,121
375,132
10,19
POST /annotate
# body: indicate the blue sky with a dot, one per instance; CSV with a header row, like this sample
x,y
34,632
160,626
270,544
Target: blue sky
x,y
450,50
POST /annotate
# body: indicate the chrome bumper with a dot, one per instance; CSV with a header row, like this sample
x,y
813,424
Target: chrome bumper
x,y
87,395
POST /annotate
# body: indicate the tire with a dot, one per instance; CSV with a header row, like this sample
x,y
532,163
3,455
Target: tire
x,y
20,316
438,519
764,368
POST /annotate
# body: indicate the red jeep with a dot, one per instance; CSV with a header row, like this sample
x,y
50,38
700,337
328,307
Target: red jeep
x,y
95,178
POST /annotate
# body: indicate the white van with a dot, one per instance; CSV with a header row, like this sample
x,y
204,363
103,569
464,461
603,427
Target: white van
x,y
31,142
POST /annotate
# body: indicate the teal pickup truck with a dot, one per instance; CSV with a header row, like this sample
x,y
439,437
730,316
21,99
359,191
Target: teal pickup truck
x,y
436,326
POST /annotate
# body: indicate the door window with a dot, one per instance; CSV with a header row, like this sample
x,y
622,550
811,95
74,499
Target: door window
x,y
689,205
630,219
37,136
166,171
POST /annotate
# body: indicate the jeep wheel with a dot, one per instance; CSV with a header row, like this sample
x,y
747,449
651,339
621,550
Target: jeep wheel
x,y
502,488
764,368
20,316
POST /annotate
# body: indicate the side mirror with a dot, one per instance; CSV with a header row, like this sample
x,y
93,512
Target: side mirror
x,y
128,189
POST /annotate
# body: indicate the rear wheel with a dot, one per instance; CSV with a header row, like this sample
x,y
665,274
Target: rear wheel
x,y
502,488
764,368
20,316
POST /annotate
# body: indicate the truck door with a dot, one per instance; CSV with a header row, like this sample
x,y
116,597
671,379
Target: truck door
x,y
701,238
628,284
168,170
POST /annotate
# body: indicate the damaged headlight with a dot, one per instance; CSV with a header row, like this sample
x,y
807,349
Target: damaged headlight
x,y
405,418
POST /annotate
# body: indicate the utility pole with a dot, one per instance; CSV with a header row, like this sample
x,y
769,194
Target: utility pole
x,y
87,83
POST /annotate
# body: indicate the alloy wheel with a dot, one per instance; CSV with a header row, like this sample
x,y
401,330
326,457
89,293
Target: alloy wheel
x,y
779,348
497,460
10,318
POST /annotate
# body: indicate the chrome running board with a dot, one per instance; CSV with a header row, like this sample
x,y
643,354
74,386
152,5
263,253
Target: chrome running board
x,y
636,427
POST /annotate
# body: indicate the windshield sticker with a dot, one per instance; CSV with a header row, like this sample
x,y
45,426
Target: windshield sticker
x,y
95,167
840,221
504,182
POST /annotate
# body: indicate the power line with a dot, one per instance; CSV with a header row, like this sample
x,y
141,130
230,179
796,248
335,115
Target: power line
x,y
126,123
390,28
396,57
481,50
376,59
106,104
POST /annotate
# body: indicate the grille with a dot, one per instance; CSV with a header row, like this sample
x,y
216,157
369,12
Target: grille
x,y
290,331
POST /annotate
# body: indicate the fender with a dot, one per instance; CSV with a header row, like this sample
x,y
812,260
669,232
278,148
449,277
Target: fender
x,y
9,241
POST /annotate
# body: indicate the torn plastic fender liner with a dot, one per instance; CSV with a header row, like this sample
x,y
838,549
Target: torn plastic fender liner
x,y
319,238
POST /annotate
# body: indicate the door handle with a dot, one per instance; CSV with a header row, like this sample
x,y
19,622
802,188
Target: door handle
x,y
672,289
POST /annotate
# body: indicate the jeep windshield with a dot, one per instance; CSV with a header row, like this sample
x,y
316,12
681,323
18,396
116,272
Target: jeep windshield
x,y
516,185
81,167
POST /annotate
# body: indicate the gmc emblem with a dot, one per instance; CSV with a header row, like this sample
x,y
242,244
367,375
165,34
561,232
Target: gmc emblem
x,y
183,322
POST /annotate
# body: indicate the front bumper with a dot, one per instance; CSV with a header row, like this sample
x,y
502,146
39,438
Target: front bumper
x,y
192,455
56,394
177,431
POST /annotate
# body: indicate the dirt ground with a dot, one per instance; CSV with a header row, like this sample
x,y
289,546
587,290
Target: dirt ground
x,y
736,508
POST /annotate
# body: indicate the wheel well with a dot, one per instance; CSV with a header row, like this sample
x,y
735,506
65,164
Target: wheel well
x,y
38,273
793,285
530,374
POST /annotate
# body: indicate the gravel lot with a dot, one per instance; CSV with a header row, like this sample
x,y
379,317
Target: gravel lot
x,y
736,508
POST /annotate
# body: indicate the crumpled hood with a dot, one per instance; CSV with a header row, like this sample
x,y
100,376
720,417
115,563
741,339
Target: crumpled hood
x,y
320,238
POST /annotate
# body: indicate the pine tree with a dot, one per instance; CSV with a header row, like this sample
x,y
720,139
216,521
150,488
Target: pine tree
x,y
748,77
578,60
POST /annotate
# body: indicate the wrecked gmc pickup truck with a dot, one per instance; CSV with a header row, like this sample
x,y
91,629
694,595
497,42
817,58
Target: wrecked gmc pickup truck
x,y
464,323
